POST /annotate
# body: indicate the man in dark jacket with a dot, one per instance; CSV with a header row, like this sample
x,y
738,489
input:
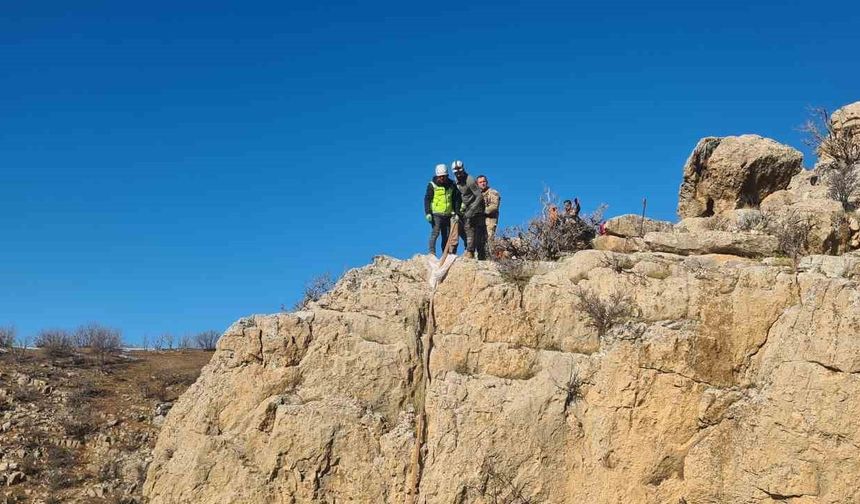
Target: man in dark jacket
x,y
473,229
439,205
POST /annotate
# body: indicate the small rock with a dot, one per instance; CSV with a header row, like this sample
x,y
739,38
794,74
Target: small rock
x,y
15,478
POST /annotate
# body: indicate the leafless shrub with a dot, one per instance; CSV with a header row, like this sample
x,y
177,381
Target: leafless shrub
x,y
207,340
604,313
185,342
78,424
7,337
792,232
109,472
165,341
515,271
315,289
102,340
571,388
55,342
549,235
498,487
715,223
838,147
754,221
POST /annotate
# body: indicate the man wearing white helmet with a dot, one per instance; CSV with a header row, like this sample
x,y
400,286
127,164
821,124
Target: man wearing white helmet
x,y
439,204
473,229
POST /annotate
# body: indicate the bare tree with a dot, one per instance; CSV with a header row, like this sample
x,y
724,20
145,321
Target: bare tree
x,y
145,342
7,336
55,342
102,340
315,289
838,147
207,340
167,340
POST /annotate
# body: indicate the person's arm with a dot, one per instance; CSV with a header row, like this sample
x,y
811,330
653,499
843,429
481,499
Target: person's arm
x,y
476,206
457,200
493,202
428,197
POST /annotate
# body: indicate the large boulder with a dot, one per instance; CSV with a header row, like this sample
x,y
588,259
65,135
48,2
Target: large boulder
x,y
724,173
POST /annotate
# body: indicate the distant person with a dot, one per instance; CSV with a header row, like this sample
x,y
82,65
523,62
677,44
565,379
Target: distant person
x,y
552,216
492,200
571,209
439,202
471,210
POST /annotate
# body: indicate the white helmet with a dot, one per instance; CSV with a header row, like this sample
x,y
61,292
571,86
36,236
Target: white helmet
x,y
441,170
457,165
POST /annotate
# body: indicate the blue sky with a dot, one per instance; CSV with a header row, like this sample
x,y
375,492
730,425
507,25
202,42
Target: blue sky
x,y
171,167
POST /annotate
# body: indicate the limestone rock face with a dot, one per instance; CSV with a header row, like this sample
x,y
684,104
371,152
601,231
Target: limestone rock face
x,y
634,225
724,173
724,380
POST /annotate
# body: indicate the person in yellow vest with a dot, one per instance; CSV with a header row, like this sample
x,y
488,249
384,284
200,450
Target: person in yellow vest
x,y
439,203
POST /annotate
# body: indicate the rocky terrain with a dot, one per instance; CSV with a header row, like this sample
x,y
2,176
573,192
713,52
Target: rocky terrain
x,y
713,360
81,428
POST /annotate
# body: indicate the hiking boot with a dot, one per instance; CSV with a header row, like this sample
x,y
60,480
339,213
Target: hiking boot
x,y
469,255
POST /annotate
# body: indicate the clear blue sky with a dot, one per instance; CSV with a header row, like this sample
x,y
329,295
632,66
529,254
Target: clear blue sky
x,y
173,166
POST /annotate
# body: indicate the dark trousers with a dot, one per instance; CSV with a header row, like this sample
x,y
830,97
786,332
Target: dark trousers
x,y
441,225
473,231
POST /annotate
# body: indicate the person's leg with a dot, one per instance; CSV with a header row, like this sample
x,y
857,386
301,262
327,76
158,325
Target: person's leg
x,y
461,230
470,225
481,237
491,235
445,227
434,233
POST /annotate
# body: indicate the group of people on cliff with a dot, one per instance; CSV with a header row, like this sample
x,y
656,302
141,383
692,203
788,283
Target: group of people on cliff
x,y
468,199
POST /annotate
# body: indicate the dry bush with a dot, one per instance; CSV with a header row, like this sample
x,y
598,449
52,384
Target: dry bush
x,y
838,146
167,386
792,232
7,337
55,342
207,340
109,472
79,424
549,235
102,340
515,271
185,342
498,487
755,221
571,388
315,289
604,313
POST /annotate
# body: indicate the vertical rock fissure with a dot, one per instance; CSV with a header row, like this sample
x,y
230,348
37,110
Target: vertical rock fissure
x,y
416,463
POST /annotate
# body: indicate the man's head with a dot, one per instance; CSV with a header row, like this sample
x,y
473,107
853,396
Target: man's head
x,y
458,169
482,182
568,205
441,172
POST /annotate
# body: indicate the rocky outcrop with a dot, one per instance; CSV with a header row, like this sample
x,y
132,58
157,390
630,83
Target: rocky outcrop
x,y
720,379
634,225
724,173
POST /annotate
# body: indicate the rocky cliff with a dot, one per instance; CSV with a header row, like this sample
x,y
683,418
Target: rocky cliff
x,y
727,380
716,360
